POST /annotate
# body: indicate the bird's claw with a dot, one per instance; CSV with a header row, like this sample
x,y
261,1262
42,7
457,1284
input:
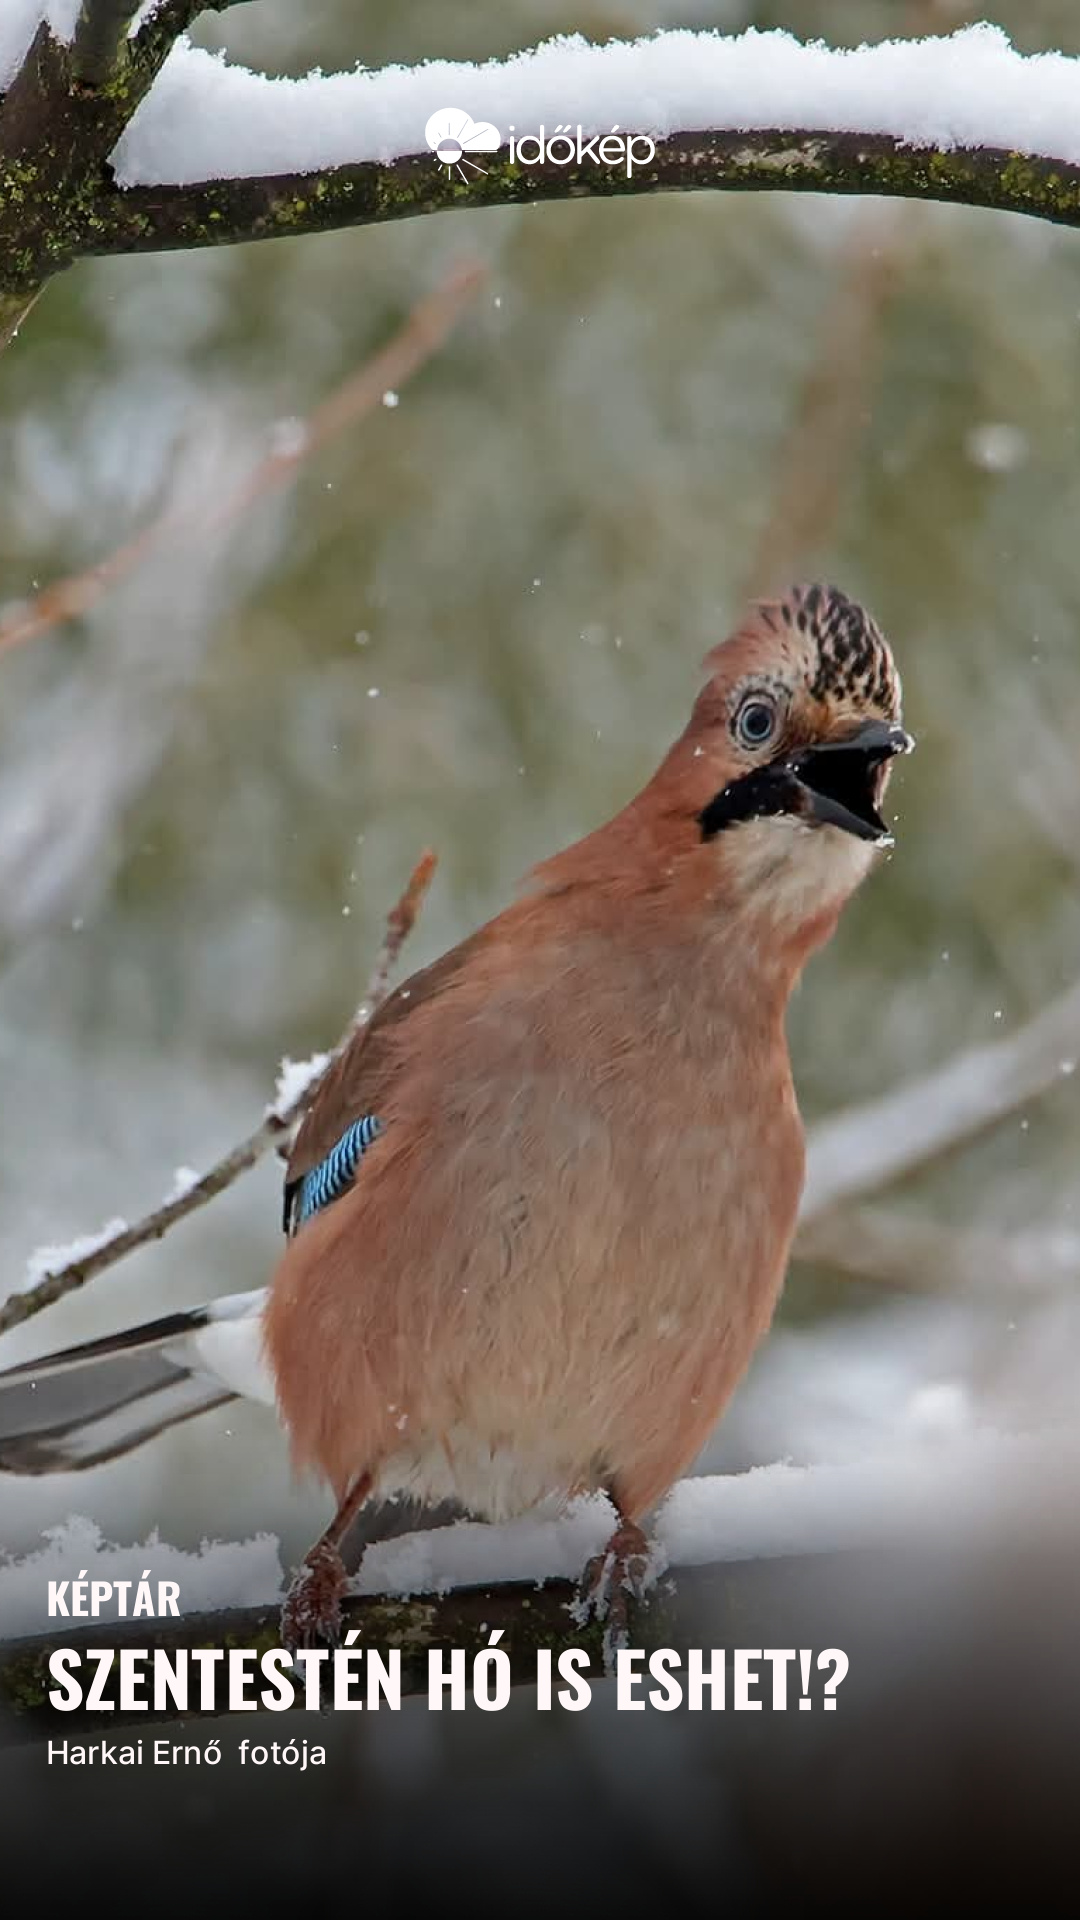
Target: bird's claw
x,y
311,1615
613,1580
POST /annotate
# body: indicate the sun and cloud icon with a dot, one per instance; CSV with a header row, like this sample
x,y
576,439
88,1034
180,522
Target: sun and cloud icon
x,y
452,134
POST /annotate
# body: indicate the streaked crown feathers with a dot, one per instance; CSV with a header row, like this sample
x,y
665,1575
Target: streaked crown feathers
x,y
844,656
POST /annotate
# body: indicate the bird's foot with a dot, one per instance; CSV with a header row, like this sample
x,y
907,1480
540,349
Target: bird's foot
x,y
612,1582
311,1616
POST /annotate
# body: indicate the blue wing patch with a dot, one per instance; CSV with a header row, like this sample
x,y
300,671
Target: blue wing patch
x,y
333,1176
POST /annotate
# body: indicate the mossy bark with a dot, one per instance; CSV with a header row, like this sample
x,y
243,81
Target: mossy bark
x,y
59,201
66,108
809,1600
531,1618
59,121
14,308
217,212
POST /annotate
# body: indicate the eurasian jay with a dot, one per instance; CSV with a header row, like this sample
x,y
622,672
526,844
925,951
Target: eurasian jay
x,y
540,1211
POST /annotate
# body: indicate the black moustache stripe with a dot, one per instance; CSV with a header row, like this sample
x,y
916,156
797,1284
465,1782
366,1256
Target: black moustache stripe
x,y
754,796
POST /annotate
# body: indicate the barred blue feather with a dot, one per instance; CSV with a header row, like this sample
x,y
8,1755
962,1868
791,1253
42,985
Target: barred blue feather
x,y
333,1176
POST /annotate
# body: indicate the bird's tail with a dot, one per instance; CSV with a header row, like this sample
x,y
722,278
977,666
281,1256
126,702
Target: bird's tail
x,y
87,1404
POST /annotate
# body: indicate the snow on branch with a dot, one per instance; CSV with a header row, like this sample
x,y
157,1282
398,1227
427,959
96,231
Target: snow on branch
x,y
66,1268
451,1587
850,1157
183,149
207,120
884,1140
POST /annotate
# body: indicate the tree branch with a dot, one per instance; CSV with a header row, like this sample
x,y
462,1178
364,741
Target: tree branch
x,y
424,331
60,199
865,1148
143,219
707,1604
899,1250
170,18
59,120
99,45
14,308
531,1617
273,1129
740,1546
869,1146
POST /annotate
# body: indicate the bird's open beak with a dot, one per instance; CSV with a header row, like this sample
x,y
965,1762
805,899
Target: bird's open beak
x,y
842,779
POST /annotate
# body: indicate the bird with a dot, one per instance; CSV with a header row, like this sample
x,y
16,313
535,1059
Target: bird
x,y
540,1211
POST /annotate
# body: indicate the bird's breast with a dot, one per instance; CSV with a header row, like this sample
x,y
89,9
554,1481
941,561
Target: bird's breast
x,y
557,1258
628,1254
603,1344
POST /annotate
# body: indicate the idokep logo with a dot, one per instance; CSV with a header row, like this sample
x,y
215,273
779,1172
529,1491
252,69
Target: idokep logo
x,y
452,133
567,146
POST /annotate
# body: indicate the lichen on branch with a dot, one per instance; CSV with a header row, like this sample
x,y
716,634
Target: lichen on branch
x,y
222,212
65,110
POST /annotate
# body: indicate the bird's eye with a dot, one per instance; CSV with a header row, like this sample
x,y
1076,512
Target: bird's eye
x,y
755,722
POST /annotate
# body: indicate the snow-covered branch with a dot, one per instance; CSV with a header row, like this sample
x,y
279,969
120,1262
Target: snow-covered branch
x,y
852,1157
181,149
905,1250
870,1146
61,1271
450,1587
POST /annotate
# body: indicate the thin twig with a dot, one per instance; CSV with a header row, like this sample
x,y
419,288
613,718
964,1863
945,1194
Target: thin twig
x,y
862,1150
14,308
399,924
411,347
276,1126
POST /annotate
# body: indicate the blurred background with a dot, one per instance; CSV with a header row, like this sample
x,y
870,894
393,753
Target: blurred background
x,y
474,622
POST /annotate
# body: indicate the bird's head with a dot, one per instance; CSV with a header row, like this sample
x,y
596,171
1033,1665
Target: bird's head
x,y
778,781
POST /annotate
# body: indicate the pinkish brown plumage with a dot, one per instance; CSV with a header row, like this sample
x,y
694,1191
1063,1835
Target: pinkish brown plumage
x,y
556,1260
552,1263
